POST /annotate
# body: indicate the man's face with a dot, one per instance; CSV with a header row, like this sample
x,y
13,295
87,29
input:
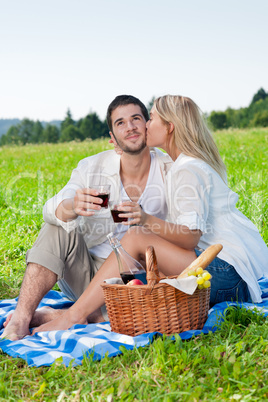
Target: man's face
x,y
129,128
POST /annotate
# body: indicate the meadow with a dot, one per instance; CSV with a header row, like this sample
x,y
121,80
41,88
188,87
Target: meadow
x,y
227,365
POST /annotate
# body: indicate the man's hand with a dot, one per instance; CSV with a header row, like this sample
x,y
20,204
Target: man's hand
x,y
84,203
85,199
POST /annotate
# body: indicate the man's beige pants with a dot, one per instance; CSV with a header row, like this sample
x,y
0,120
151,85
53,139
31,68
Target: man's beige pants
x,y
67,255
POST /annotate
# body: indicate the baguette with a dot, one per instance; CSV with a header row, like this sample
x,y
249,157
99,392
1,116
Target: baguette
x,y
203,260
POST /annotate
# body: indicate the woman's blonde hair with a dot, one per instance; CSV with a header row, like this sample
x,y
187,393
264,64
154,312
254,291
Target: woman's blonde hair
x,y
191,134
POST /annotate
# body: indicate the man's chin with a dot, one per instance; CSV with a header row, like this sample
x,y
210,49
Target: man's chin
x,y
135,151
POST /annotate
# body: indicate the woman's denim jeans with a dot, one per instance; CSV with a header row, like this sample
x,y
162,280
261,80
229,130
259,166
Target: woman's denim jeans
x,y
226,283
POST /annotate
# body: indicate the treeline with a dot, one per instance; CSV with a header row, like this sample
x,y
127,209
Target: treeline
x,y
34,132
255,115
91,127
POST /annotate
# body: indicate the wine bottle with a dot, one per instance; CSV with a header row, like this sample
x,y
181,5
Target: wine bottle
x,y
129,268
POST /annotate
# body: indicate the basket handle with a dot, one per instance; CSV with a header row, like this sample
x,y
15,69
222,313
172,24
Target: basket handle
x,y
203,260
152,274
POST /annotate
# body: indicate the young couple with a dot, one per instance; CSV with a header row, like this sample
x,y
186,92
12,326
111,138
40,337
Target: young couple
x,y
190,208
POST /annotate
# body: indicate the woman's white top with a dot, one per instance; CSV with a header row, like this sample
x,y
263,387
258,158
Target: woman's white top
x,y
198,198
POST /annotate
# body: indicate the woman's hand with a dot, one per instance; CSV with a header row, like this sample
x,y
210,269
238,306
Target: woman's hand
x,y
134,212
117,149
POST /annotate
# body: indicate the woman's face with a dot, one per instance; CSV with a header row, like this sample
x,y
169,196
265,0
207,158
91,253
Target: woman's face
x,y
156,135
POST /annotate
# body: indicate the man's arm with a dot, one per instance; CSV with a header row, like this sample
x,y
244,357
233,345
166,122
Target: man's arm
x,y
65,211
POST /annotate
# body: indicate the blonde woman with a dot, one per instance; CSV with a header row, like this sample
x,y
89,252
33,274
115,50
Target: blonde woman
x,y
199,199
202,212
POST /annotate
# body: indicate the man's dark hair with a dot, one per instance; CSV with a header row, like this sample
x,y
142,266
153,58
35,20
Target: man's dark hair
x,y
124,100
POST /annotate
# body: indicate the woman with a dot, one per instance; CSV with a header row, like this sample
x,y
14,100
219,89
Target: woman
x,y
199,198
201,212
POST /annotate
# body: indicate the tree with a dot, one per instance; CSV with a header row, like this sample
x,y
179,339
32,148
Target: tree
x,y
260,119
26,129
243,117
150,104
261,94
37,133
68,121
92,127
51,134
238,118
218,120
70,133
11,137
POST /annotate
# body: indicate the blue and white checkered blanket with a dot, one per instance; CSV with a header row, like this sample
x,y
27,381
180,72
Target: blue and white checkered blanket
x,y
43,348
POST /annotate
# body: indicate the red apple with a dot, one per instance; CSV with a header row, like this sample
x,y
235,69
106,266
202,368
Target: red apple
x,y
135,282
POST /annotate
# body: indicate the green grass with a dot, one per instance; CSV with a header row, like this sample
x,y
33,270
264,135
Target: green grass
x,y
230,364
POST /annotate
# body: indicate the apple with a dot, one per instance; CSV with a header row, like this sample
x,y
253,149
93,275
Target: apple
x,y
135,282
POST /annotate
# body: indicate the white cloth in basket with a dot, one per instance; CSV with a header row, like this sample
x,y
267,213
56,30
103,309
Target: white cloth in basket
x,y
186,285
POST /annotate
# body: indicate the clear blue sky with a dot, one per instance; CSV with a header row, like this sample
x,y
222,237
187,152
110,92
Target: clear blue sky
x,y
80,54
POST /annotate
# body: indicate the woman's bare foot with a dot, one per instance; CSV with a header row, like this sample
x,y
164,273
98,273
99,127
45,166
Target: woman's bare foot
x,y
62,322
95,317
41,316
44,315
66,319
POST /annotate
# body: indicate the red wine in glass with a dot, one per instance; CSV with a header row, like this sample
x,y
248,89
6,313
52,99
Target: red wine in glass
x,y
105,198
117,218
103,193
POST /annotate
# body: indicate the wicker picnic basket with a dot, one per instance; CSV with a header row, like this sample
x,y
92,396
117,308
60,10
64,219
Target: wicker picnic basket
x,y
138,309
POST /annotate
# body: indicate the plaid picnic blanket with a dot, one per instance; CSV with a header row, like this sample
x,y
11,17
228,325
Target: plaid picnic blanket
x,y
72,345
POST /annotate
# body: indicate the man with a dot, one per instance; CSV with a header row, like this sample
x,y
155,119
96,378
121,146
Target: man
x,y
72,245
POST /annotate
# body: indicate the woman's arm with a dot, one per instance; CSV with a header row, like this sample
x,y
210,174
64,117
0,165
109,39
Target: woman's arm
x,y
188,192
180,235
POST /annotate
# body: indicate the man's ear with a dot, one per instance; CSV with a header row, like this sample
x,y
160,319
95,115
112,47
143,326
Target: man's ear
x,y
112,138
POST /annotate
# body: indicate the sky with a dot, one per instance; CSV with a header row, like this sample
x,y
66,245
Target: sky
x,y
79,54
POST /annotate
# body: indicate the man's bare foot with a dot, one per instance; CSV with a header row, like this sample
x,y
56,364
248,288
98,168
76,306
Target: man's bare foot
x,y
15,329
7,320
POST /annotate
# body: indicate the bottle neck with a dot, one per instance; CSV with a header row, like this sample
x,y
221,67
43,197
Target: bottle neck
x,y
113,240
126,263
